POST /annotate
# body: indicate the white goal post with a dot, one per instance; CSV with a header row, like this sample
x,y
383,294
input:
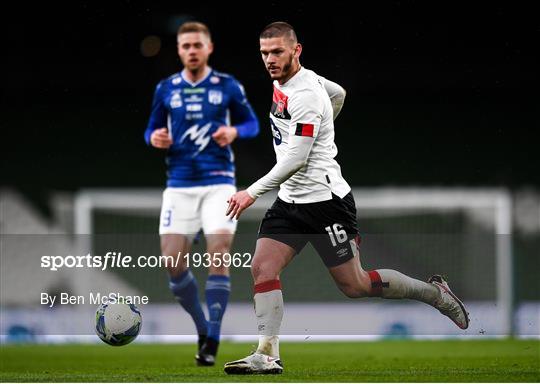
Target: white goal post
x,y
383,199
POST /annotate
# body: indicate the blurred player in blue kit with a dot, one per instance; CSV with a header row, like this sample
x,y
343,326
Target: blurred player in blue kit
x,y
196,115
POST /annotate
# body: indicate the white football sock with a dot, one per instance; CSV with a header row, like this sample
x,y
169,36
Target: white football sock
x,y
268,345
269,311
392,284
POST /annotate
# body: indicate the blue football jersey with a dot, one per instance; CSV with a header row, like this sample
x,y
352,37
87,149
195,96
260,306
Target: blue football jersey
x,y
193,112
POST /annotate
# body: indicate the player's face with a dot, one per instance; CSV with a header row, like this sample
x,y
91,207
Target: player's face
x,y
280,57
194,48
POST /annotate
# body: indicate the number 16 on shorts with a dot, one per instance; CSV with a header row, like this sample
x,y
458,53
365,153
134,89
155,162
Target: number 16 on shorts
x,y
336,232
338,235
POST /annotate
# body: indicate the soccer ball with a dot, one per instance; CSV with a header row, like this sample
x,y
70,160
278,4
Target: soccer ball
x,y
118,324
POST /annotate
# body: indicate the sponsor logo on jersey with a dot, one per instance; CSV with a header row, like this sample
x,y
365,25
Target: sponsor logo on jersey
x,y
199,136
190,91
214,80
176,100
276,133
279,105
215,97
193,107
193,99
177,80
304,129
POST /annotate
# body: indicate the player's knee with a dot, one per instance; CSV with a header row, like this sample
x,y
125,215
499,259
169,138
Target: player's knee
x,y
219,243
256,269
171,260
219,248
263,271
221,258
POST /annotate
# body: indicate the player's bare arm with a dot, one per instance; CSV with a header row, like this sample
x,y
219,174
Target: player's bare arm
x,y
161,139
225,135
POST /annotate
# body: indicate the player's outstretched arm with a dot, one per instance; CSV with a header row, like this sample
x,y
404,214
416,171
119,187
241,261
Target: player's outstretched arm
x,y
337,96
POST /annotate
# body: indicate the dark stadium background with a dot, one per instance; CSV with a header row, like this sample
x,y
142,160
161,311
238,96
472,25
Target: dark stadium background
x,y
441,94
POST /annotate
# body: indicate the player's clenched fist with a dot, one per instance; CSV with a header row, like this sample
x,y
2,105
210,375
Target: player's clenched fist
x,y
237,203
160,138
225,135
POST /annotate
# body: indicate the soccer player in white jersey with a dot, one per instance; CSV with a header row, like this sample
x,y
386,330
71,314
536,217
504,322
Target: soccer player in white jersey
x,y
314,204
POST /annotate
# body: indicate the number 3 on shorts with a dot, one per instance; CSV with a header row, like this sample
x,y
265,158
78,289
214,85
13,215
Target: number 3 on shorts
x,y
167,218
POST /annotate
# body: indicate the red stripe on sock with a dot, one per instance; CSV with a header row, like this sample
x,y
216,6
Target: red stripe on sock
x,y
376,283
267,286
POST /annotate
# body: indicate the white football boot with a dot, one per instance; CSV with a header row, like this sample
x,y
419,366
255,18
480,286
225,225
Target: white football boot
x,y
449,304
254,364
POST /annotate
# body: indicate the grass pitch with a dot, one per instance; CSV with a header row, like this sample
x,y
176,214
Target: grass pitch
x,y
383,361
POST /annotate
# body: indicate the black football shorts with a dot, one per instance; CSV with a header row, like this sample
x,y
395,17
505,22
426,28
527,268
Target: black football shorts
x,y
330,226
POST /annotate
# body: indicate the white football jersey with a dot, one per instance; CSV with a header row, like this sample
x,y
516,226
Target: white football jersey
x,y
301,107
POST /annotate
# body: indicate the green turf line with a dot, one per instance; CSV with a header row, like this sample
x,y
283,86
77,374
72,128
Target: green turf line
x,y
381,361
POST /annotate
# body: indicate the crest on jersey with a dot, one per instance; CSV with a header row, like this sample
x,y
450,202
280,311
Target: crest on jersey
x,y
215,97
279,105
214,80
176,100
177,80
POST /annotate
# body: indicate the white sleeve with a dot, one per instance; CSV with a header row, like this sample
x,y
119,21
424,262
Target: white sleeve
x,y
337,95
306,114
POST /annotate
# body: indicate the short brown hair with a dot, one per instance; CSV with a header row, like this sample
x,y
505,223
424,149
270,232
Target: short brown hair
x,y
279,29
194,26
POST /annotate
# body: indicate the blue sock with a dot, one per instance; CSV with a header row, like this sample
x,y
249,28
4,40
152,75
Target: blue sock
x,y
184,288
218,288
